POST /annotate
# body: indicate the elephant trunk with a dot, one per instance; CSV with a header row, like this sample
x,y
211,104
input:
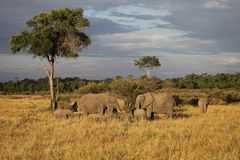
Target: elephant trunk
x,y
137,105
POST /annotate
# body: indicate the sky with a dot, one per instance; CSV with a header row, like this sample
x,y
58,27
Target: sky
x,y
188,36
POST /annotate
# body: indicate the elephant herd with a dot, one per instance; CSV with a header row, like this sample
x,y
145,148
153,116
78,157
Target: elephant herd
x,y
146,105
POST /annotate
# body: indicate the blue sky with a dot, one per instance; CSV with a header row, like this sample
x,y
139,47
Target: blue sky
x,y
187,36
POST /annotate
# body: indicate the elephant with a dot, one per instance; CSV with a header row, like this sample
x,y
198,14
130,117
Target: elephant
x,y
62,113
98,103
155,103
203,105
140,114
67,112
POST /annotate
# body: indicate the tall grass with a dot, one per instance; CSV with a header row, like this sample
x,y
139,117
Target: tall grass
x,y
29,131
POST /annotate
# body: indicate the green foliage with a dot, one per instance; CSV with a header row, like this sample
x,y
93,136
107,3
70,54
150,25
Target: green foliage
x,y
129,88
149,84
41,85
70,84
147,62
94,88
169,84
54,33
220,80
125,88
125,85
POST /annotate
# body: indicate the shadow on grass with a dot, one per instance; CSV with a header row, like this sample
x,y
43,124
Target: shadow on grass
x,y
179,113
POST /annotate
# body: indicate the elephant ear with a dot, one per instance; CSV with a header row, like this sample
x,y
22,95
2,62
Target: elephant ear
x,y
148,100
139,101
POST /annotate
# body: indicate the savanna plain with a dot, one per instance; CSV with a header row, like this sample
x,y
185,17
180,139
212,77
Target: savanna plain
x,y
28,130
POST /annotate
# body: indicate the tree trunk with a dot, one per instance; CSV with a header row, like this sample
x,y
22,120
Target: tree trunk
x,y
51,76
148,73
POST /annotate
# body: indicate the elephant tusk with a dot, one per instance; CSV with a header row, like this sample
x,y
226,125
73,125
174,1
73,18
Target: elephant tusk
x,y
118,110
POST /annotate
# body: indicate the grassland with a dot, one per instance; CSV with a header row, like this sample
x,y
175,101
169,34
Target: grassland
x,y
29,131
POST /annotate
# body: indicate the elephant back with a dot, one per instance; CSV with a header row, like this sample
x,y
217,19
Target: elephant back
x,y
202,101
163,103
90,102
98,103
203,104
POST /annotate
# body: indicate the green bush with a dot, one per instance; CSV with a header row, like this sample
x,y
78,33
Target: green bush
x,y
128,88
148,84
94,88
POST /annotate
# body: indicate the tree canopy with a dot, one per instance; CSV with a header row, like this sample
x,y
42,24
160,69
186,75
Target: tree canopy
x,y
147,63
57,33
54,33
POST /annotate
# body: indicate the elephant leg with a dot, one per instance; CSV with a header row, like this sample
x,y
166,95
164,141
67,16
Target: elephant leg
x,y
101,110
170,114
149,115
202,109
84,111
205,108
110,110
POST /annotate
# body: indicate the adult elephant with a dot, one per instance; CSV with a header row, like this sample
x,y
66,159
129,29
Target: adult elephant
x,y
203,105
98,103
155,103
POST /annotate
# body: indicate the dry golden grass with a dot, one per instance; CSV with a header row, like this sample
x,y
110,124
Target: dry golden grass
x,y
31,132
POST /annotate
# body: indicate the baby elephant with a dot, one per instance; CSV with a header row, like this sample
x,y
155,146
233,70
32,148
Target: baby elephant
x,y
203,104
62,113
140,114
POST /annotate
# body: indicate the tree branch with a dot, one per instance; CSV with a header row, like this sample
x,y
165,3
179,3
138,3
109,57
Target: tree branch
x,y
48,58
45,68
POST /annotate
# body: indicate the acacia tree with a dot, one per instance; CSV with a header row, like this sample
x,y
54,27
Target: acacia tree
x,y
147,63
57,33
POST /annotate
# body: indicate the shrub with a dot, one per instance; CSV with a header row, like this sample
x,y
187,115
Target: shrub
x,y
148,84
169,84
94,88
127,89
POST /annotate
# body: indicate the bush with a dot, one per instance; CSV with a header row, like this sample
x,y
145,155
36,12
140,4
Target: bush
x,y
130,88
126,89
148,84
169,84
94,88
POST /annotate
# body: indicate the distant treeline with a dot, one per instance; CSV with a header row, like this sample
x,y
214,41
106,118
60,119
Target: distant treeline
x,y
220,81
42,85
191,81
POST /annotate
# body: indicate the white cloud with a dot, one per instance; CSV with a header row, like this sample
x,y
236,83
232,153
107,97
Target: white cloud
x,y
215,4
162,38
128,15
140,10
228,60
